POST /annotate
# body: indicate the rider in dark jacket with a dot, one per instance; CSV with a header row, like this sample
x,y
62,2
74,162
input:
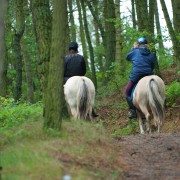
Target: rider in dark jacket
x,y
142,65
74,63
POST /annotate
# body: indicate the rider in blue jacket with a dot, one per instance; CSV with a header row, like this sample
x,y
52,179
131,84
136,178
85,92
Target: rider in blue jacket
x,y
142,65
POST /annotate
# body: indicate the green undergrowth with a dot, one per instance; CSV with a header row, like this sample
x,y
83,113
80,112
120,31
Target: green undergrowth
x,y
172,93
131,128
81,149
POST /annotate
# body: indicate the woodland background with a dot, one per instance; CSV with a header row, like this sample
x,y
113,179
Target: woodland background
x,y
35,36
37,138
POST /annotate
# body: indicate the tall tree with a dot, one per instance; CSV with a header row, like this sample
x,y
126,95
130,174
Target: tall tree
x,y
54,96
72,22
158,27
176,23
119,47
142,14
175,41
110,33
3,71
81,32
133,14
91,51
19,30
29,75
41,15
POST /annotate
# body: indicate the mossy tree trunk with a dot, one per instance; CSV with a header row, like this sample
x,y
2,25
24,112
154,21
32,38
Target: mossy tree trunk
x,y
55,97
28,71
72,22
3,61
119,48
42,18
110,33
19,30
176,23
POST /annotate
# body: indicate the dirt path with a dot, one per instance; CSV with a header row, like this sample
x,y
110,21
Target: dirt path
x,y
151,157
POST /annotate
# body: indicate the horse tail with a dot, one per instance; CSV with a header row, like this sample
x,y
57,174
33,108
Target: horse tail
x,y
155,102
82,100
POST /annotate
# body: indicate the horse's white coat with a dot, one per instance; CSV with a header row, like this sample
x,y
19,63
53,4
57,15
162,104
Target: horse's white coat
x,y
76,93
149,99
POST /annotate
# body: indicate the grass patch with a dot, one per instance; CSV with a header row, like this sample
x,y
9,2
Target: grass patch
x,y
81,149
131,128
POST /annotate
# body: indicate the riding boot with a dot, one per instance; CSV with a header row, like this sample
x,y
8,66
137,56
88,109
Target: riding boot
x,y
133,114
93,113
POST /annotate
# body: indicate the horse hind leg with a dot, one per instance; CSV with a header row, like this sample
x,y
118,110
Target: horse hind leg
x,y
148,127
141,125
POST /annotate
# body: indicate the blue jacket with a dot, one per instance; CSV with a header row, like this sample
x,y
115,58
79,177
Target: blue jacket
x,y
143,63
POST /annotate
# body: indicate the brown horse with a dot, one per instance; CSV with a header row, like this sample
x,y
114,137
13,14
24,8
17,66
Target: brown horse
x,y
149,99
79,94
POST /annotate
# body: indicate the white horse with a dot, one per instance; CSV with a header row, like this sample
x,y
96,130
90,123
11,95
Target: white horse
x,y
79,94
149,99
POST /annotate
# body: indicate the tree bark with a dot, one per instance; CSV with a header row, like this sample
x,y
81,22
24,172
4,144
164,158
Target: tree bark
x,y
29,75
119,47
158,28
91,51
142,14
42,27
3,61
20,26
55,95
82,35
176,23
72,23
133,14
175,42
110,32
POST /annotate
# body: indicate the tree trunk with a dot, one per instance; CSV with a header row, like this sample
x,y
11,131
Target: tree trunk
x,y
3,61
175,42
20,26
119,47
99,53
29,75
97,19
91,51
42,26
142,14
133,14
55,95
176,23
158,28
72,23
110,32
82,35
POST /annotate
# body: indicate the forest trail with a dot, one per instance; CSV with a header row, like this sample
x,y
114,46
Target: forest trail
x,y
151,156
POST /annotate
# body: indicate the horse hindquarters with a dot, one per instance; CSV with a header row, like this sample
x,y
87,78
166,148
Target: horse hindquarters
x,y
156,101
79,94
82,100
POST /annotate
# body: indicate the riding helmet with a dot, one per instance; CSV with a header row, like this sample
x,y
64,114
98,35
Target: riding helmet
x,y
142,40
73,45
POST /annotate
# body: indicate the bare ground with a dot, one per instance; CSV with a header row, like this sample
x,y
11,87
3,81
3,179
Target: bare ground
x,y
151,156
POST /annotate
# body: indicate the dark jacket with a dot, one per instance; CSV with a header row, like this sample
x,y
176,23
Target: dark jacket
x,y
74,65
143,63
